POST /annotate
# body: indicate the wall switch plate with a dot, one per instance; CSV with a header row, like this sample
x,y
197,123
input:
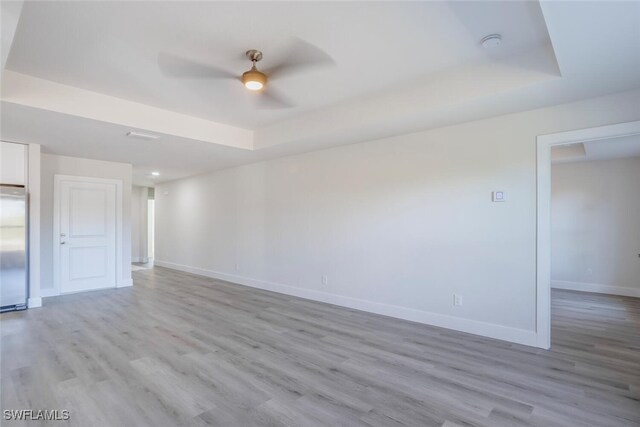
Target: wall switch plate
x,y
325,280
498,196
457,300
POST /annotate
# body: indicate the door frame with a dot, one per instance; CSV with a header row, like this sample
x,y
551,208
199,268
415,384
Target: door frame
x,y
543,216
57,179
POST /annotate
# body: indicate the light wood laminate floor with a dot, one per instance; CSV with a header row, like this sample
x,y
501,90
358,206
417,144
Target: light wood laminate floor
x,y
183,350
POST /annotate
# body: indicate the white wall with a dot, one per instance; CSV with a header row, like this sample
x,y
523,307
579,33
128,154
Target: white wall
x,y
35,248
61,165
139,200
13,163
397,225
595,220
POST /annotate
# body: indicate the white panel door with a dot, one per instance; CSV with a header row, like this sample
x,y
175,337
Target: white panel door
x,y
87,236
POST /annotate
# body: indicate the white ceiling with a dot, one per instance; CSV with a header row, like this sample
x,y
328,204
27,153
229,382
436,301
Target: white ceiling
x,y
112,47
602,149
68,135
400,67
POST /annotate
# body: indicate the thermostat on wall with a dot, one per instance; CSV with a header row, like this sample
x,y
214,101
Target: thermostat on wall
x,y
498,196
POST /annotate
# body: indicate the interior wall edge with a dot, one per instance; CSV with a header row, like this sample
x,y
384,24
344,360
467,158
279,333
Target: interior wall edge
x,y
34,160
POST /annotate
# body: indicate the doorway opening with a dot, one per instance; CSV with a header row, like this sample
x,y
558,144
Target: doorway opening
x,y
142,227
560,148
151,212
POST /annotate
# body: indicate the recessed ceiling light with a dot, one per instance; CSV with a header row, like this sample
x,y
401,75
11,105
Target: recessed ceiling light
x,y
140,135
155,173
492,40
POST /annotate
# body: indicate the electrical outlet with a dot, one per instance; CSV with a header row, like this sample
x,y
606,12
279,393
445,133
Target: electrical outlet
x,y
237,266
457,300
325,280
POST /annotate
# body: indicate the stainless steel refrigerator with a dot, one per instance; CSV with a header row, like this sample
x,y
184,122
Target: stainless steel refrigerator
x,y
13,247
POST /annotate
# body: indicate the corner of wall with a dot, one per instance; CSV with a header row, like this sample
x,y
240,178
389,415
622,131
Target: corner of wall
x,y
33,183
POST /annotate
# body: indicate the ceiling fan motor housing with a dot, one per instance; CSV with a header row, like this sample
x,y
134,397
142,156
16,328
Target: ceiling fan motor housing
x,y
254,79
254,55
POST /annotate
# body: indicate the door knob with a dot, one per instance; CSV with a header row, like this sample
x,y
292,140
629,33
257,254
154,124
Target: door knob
x,y
62,243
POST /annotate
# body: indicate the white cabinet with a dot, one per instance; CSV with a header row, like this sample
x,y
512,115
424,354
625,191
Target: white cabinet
x,y
13,161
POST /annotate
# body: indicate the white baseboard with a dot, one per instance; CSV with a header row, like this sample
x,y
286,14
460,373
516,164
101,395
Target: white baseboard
x,y
491,330
140,259
34,302
596,288
49,292
53,292
125,283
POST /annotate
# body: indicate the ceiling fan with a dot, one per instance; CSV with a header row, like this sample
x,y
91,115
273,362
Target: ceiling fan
x,y
300,57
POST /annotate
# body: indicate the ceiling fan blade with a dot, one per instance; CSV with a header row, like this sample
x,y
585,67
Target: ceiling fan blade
x,y
300,57
271,99
177,66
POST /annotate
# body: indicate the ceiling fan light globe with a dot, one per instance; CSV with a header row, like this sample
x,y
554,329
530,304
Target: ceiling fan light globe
x,y
253,85
254,79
